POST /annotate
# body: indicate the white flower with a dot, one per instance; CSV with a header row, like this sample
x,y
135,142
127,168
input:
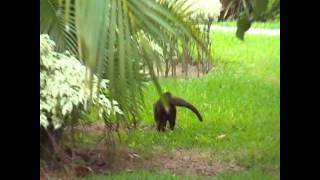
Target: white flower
x,y
63,86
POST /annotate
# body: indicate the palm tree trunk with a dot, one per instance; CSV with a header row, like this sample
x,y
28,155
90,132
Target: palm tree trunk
x,y
198,62
186,59
167,67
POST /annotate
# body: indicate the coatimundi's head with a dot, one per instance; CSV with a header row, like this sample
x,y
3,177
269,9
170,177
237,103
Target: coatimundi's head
x,y
167,94
166,97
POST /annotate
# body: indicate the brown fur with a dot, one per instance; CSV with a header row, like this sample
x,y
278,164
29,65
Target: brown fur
x,y
161,116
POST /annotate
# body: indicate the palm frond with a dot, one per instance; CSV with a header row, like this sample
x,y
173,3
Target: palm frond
x,y
112,38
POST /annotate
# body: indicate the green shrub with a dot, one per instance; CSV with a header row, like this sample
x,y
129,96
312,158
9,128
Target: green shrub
x,y
63,87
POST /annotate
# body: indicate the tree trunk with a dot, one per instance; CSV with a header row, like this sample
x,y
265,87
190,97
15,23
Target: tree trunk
x,y
173,67
167,68
175,61
209,39
198,62
49,140
157,71
186,60
168,60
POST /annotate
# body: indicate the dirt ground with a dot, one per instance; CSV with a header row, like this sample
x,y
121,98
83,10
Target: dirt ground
x,y
190,163
100,160
108,158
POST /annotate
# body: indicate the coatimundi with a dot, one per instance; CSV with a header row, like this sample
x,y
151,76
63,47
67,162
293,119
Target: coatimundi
x,y
161,116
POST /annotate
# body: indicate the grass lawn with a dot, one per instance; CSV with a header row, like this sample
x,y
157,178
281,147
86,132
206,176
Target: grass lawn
x,y
239,100
266,25
143,175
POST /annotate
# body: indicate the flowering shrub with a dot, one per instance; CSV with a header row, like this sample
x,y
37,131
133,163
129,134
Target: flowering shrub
x,y
63,87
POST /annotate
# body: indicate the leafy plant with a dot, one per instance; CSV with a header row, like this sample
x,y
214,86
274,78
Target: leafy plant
x,y
63,90
104,35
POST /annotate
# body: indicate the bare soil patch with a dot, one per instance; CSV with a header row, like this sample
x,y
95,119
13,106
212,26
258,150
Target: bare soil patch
x,y
109,157
191,163
103,159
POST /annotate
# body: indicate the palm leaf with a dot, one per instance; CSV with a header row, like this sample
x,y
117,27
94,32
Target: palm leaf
x,y
111,37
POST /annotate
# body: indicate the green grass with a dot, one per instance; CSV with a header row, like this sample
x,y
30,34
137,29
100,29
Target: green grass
x,y
240,99
246,175
143,175
266,25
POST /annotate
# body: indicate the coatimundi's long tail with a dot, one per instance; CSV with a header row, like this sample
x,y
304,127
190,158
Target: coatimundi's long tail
x,y
180,102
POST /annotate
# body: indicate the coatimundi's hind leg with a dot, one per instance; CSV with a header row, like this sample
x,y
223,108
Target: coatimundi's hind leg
x,y
160,122
172,119
161,125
